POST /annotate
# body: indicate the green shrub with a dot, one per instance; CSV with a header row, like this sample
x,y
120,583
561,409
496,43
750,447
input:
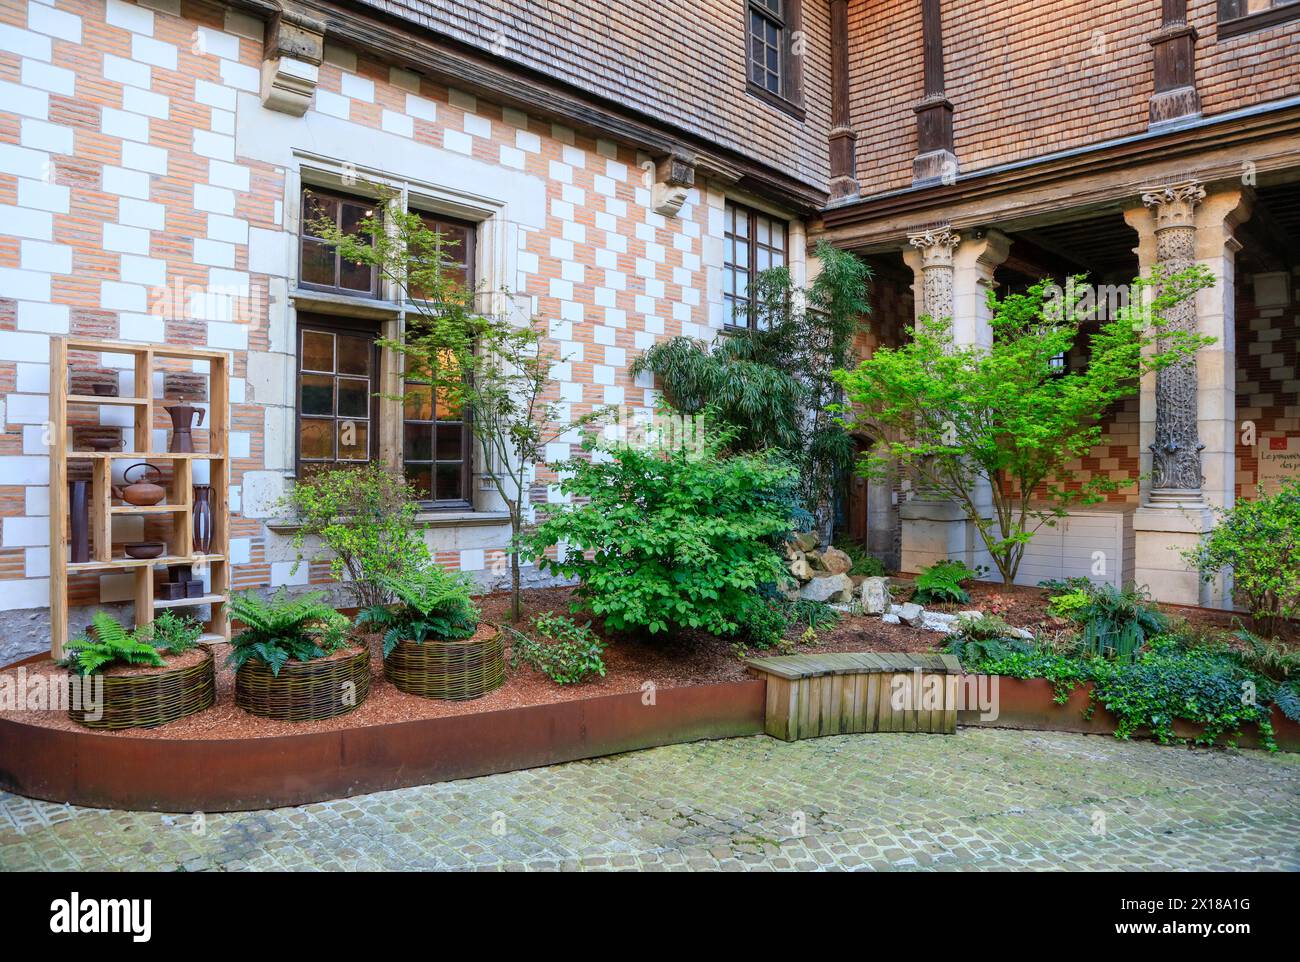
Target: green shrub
x,y
1268,657
112,644
1259,540
865,564
172,633
1116,623
280,628
363,519
1070,604
985,638
662,541
431,603
564,651
941,583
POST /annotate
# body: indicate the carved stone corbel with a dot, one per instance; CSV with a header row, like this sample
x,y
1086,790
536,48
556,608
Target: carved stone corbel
x,y
674,177
291,56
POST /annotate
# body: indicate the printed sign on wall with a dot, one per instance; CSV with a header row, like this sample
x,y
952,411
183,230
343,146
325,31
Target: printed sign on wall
x,y
1279,461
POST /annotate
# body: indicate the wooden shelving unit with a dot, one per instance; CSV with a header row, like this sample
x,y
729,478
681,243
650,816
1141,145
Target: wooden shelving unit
x,y
179,505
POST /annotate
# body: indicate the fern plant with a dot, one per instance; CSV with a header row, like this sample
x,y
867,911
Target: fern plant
x,y
112,643
172,633
941,583
281,627
986,638
431,603
1116,623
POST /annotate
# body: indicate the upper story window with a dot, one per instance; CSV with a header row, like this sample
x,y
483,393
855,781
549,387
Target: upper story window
x,y
320,266
772,60
752,242
766,43
458,252
1238,17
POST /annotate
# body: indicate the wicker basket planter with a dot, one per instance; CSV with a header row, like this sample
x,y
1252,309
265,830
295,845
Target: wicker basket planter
x,y
304,690
153,698
450,670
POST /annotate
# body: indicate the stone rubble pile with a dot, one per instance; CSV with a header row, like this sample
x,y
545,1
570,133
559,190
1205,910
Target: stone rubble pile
x,y
823,575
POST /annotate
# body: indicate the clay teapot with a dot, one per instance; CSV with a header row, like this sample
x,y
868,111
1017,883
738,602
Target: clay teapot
x,y
141,493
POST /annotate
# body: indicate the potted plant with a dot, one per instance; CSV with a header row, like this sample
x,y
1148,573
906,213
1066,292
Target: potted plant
x,y
152,675
294,659
434,645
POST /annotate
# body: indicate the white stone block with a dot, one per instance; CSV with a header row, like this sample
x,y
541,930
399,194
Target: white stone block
x,y
24,42
156,53
358,88
42,316
150,271
218,44
241,76
142,327
215,146
39,195
229,336
129,16
268,252
331,104
126,240
144,157
421,108
457,141
145,102
19,593
115,296
24,285
125,183
528,142
214,200
28,408
146,214
512,157
43,256
26,532
36,500
395,123
36,561
213,253
23,161
222,174
120,123
215,95
30,378
39,135
56,23
232,230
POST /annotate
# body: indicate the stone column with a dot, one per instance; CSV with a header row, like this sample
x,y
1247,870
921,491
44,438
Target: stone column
x,y
1188,411
953,277
1176,452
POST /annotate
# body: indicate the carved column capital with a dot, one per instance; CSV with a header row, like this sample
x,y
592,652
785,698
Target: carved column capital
x,y
936,246
292,50
1174,204
674,177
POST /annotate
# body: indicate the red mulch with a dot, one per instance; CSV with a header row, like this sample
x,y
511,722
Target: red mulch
x,y
669,663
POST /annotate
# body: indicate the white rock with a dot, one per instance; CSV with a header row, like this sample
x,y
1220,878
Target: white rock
x,y
909,613
828,588
874,593
889,619
938,621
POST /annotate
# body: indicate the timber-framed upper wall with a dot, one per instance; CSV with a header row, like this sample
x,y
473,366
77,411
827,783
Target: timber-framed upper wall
x,y
682,68
1027,80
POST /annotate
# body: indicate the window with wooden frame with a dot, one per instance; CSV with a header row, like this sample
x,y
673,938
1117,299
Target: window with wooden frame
x,y
772,56
338,378
458,260
320,267
752,242
1239,17
437,446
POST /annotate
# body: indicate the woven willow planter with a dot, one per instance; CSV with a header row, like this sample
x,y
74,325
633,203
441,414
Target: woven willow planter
x,y
151,699
450,670
304,690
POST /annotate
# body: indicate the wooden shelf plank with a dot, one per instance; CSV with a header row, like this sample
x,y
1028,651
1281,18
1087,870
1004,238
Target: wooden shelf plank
x,y
187,602
104,399
147,455
116,563
148,509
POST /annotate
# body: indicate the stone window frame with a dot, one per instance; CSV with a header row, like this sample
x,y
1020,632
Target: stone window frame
x,y
1236,19
786,16
495,243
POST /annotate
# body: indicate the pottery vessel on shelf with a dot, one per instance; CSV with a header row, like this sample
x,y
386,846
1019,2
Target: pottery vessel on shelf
x,y
101,443
144,549
182,416
104,389
141,493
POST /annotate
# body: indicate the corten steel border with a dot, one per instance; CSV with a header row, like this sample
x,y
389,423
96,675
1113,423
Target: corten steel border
x,y
227,775
1027,704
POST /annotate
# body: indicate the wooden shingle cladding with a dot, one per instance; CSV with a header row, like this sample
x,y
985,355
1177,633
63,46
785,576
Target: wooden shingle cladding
x,y
682,68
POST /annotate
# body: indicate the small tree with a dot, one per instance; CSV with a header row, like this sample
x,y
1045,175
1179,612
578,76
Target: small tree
x,y
363,519
770,381
1259,541
465,347
1005,421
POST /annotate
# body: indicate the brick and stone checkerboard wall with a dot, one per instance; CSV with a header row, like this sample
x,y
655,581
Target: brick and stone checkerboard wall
x,y
1268,385
147,195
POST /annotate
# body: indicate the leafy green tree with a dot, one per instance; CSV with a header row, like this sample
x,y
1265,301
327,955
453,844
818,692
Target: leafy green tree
x,y
770,381
666,540
1004,422
472,349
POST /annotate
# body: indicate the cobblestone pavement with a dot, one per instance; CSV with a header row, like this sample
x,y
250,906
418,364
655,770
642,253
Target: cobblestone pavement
x,y
983,799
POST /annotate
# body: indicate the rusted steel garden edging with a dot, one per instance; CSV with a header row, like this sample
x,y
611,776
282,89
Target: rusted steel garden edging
x,y
1027,703
226,775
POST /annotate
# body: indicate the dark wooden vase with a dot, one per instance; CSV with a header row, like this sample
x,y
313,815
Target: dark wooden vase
x,y
202,518
79,509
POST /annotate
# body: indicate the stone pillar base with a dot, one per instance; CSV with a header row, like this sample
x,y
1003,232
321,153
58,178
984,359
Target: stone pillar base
x,y
1161,535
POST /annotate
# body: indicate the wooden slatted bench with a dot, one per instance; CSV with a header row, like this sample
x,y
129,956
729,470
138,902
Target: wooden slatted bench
x,y
850,692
